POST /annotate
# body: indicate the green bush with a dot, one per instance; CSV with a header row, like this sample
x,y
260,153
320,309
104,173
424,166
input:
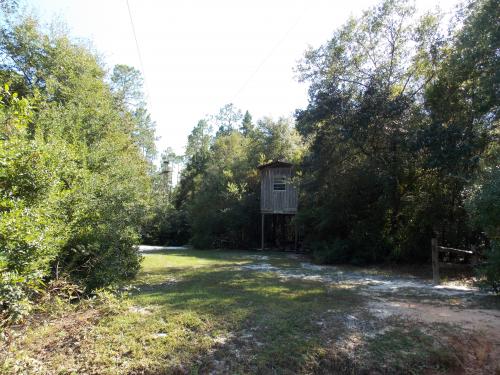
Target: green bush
x,y
15,293
75,179
166,226
484,206
490,270
330,252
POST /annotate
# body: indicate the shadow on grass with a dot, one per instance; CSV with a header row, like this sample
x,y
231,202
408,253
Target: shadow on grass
x,y
178,287
268,324
225,255
219,317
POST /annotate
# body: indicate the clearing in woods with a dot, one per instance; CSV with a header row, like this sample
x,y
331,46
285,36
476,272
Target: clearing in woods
x,y
212,312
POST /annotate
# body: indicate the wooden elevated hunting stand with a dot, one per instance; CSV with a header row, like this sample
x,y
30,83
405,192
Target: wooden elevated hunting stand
x,y
279,201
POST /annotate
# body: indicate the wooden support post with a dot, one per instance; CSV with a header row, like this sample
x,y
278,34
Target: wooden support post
x,y
296,233
474,259
262,233
435,261
273,222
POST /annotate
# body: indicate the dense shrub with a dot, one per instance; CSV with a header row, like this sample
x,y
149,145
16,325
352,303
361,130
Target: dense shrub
x,y
334,252
490,270
75,179
15,295
165,225
484,206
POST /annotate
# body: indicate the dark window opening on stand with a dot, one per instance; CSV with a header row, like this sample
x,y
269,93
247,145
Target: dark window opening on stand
x,y
279,184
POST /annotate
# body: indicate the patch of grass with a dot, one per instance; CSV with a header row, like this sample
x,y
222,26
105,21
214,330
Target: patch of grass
x,y
205,313
411,350
198,312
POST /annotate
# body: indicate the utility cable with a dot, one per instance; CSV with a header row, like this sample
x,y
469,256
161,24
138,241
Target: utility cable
x,y
268,56
138,52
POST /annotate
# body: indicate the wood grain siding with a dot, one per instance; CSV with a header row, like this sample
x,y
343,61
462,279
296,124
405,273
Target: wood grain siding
x,y
277,201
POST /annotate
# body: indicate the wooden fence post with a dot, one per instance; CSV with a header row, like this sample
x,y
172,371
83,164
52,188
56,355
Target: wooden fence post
x,y
435,261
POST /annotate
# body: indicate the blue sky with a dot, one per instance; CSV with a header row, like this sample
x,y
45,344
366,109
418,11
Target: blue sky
x,y
199,55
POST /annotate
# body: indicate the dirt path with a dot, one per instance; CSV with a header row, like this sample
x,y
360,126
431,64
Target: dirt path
x,y
154,248
483,344
414,299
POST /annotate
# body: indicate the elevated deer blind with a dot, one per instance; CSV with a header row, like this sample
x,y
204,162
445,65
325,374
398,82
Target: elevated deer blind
x,y
279,200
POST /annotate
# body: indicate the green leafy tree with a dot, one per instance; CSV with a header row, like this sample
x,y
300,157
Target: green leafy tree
x,y
127,87
226,121
464,105
166,225
247,125
277,140
363,117
75,181
127,83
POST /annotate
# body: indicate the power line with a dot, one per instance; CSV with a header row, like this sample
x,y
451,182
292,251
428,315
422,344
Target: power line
x,y
268,56
138,52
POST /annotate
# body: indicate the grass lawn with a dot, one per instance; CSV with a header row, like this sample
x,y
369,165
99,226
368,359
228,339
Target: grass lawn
x,y
193,312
